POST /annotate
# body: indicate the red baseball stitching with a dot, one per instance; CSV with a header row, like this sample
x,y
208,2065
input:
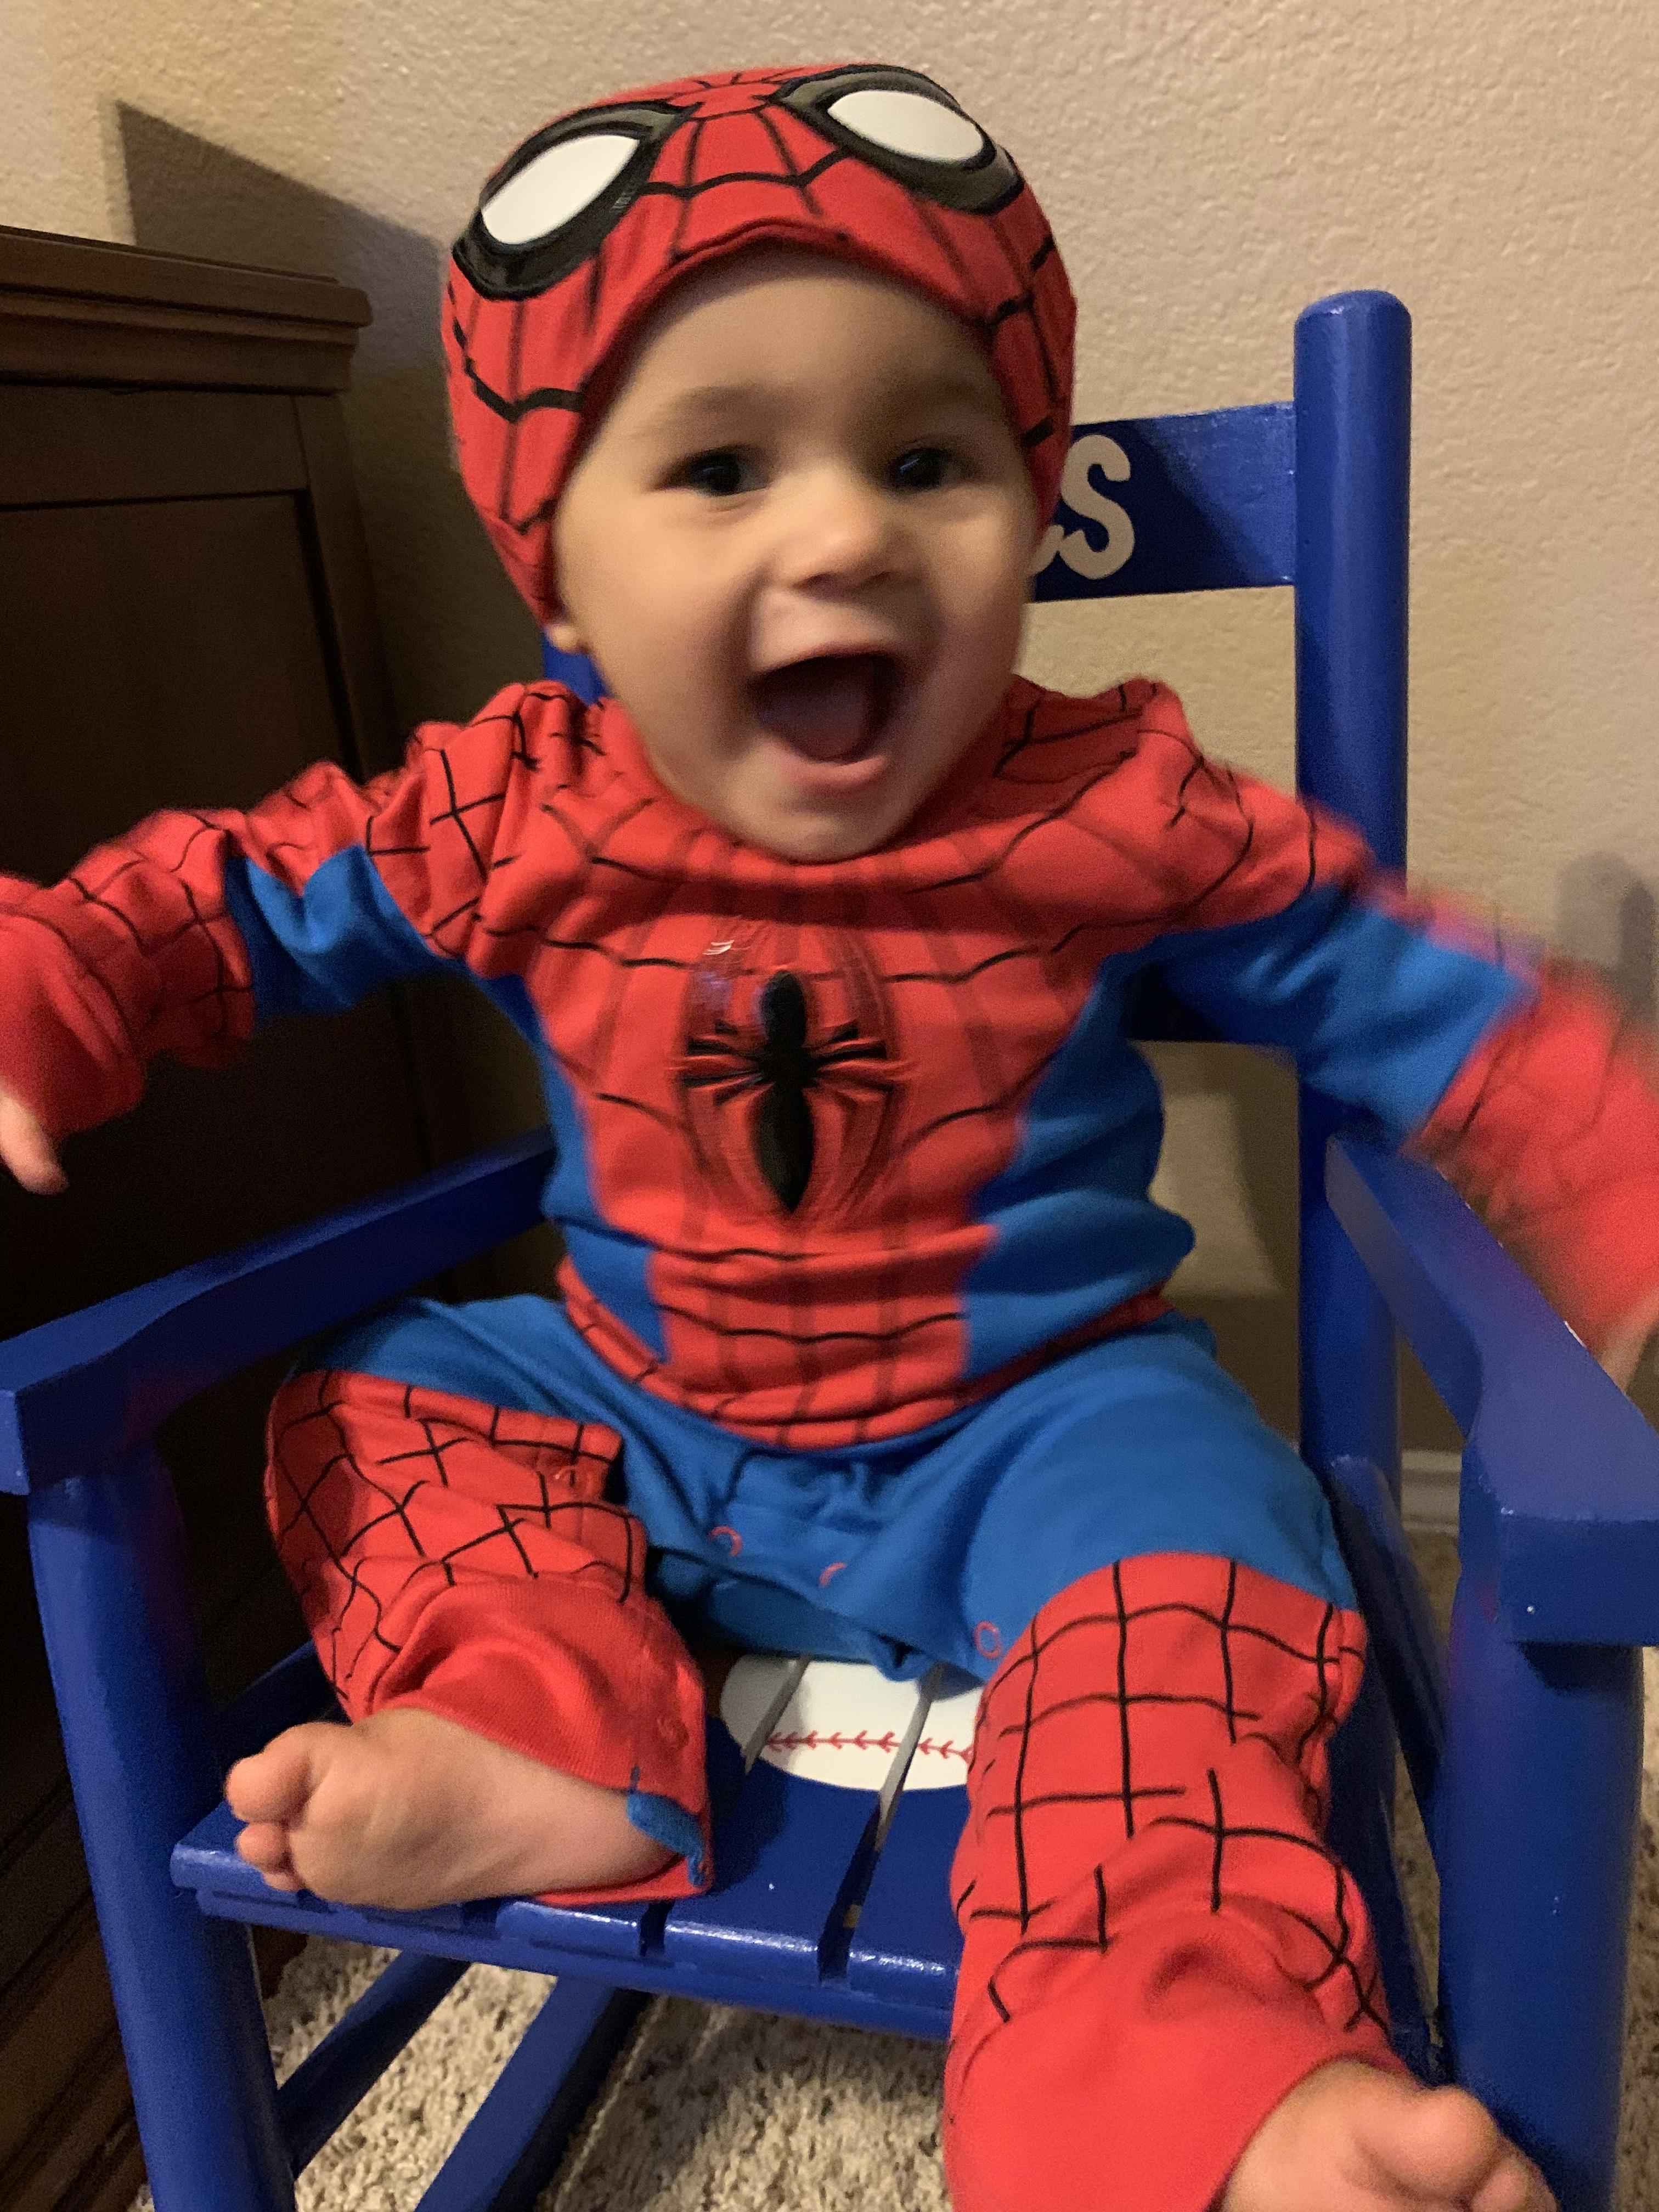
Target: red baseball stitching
x,y
813,1741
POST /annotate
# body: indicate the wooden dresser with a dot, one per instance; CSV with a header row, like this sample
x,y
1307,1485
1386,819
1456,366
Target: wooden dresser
x,y
185,616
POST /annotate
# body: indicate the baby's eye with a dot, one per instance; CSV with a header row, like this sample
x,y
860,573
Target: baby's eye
x,y
926,468
720,473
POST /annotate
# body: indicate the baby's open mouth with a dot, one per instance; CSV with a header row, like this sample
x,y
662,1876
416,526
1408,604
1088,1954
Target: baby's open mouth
x,y
833,707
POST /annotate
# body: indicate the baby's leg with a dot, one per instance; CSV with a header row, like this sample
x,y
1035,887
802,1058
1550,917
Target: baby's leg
x,y
524,1718
1169,1997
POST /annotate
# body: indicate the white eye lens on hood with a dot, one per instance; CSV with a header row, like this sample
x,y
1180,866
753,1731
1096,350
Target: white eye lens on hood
x,y
909,124
548,192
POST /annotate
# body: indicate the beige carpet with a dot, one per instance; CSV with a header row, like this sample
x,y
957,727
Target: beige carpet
x,y
713,2111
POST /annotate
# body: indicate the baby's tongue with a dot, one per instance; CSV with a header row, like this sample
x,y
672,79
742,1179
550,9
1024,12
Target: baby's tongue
x,y
826,709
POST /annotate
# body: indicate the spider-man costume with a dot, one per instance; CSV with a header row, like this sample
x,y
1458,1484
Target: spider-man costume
x,y
862,1346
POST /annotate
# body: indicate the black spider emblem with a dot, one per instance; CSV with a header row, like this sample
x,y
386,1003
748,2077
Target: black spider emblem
x,y
781,1065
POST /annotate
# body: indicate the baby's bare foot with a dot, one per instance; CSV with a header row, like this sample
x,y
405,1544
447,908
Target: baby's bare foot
x,y
406,1809
1352,2139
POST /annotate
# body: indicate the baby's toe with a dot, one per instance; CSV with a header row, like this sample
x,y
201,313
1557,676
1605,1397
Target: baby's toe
x,y
264,1846
275,1784
1514,2186
1449,2146
1442,2143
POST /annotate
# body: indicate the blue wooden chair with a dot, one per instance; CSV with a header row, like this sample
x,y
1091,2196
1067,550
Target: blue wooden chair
x,y
1524,1744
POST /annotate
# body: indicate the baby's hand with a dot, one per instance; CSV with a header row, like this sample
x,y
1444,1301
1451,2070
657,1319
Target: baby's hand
x,y
27,1150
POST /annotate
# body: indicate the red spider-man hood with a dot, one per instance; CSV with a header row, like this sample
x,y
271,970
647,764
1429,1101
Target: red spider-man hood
x,y
581,231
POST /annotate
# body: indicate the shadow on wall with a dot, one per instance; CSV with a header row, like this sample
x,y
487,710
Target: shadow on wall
x,y
1605,916
1229,1167
454,628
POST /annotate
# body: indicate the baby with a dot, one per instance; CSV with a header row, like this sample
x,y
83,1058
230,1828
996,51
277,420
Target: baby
x,y
822,925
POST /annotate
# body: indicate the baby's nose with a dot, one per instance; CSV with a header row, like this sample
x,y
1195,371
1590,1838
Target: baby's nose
x,y
840,528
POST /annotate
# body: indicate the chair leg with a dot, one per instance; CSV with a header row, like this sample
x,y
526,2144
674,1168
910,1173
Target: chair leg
x,y
1361,1833
1535,1829
126,1664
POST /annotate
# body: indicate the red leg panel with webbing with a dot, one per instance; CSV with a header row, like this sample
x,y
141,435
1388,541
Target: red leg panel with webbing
x,y
463,1558
1158,1946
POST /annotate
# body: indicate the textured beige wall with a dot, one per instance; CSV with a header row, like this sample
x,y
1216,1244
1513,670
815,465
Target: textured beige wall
x,y
1208,168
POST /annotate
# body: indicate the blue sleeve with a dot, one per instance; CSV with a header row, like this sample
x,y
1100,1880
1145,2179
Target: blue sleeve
x,y
1375,1011
321,950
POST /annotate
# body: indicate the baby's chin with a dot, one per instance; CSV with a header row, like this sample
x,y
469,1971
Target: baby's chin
x,y
814,837
764,797
811,831
760,808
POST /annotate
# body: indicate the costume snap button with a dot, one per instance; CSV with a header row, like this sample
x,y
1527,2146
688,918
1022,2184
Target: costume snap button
x,y
671,1731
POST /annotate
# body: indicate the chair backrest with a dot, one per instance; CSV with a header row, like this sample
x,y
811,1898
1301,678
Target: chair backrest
x,y
1311,493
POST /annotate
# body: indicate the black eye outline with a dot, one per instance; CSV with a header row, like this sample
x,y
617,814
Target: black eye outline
x,y
517,272
979,186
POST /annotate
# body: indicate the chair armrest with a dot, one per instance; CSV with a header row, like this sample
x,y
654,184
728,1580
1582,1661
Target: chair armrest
x,y
77,1391
1559,1518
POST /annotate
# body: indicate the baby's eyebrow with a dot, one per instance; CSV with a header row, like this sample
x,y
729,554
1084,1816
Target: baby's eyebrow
x,y
951,387
706,405
713,407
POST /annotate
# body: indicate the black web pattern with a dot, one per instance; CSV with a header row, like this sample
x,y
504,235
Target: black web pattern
x,y
380,1493
1190,1728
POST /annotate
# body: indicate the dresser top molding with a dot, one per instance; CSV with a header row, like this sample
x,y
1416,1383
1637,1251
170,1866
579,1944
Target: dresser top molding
x,y
82,311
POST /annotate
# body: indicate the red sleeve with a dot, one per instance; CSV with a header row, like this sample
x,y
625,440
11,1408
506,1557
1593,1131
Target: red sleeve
x,y
136,951
1549,1129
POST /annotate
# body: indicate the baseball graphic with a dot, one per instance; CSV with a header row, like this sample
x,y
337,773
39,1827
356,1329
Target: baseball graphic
x,y
849,1724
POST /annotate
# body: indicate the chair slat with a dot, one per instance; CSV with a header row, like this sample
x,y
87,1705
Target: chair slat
x,y
482,1942
206,1859
1361,1834
1174,503
787,1858
907,1945
1404,1646
604,1931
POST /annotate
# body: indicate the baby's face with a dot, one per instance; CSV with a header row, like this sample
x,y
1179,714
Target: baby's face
x,y
797,546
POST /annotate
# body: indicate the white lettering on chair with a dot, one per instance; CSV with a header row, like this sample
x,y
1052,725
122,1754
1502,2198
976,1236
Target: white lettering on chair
x,y
1083,496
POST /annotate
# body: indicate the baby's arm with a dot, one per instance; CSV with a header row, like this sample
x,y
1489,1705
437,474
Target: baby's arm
x,y
187,934
1550,1128
1520,1081
1519,1077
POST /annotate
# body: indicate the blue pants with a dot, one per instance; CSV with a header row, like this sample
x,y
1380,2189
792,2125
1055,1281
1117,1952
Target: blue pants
x,y
940,1545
